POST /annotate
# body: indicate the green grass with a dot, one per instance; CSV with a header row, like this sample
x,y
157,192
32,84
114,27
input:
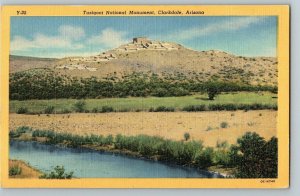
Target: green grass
x,y
138,103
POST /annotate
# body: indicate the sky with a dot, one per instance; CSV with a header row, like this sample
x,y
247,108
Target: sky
x,y
57,37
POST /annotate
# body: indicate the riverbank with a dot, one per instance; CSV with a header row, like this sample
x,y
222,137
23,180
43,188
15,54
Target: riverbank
x,y
187,154
24,170
218,170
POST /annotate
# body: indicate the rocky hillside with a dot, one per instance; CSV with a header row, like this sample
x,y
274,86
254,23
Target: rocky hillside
x,y
163,58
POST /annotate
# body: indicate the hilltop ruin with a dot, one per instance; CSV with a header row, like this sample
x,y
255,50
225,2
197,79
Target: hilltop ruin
x,y
142,43
137,44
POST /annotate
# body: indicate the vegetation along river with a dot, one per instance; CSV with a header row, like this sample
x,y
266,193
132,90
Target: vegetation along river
x,y
87,163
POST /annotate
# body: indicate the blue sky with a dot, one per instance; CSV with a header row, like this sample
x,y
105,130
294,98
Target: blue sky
x,y
83,36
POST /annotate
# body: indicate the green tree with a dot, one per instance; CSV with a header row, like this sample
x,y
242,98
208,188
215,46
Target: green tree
x,y
255,158
186,136
213,89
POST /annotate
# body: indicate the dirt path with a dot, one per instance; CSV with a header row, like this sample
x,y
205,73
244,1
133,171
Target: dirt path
x,y
205,126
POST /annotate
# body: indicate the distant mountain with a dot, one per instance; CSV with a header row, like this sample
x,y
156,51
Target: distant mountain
x,y
22,63
162,58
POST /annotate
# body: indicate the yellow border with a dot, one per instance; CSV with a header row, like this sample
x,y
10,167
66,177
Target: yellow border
x,y
282,11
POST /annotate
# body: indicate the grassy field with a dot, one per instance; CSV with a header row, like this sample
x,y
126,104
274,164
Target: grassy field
x,y
139,103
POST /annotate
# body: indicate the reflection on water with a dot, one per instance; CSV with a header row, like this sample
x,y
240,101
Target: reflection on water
x,y
90,164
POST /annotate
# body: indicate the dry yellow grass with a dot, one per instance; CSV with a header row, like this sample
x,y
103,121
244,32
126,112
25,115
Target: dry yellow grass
x,y
27,171
203,126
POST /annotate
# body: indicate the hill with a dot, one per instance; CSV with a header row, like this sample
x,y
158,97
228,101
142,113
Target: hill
x,y
162,58
22,63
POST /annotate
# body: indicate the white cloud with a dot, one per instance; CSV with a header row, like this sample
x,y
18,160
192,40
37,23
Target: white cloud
x,y
66,38
232,24
20,43
71,32
108,38
69,38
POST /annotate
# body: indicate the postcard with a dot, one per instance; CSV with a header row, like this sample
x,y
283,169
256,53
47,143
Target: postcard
x,y
164,96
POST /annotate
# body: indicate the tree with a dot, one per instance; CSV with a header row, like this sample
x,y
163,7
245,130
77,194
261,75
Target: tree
x,y
271,158
256,158
212,89
186,136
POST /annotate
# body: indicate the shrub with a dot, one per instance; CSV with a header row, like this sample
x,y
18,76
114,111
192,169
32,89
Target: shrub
x,y
178,91
250,124
274,90
190,151
246,107
224,125
274,107
186,136
209,128
23,129
148,145
222,156
124,110
95,139
108,140
194,108
49,110
80,106
65,111
151,109
106,109
13,134
222,145
58,173
220,107
15,170
162,109
160,92
19,131
22,110
205,158
95,110
44,133
118,142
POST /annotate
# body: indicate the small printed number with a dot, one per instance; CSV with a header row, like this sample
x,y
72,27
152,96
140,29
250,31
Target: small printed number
x,y
21,12
267,181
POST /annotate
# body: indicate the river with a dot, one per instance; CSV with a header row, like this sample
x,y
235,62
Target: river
x,y
87,163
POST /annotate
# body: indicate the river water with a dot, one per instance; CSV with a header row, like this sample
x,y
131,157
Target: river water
x,y
87,163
